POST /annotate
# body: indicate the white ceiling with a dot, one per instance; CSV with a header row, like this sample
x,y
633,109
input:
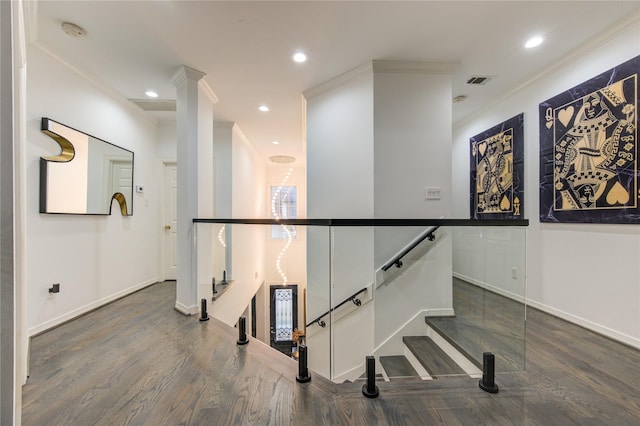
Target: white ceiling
x,y
245,48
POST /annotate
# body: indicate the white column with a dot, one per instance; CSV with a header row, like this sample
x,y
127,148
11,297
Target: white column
x,y
186,82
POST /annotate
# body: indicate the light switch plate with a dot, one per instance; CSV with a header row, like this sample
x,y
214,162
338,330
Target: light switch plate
x,y
433,193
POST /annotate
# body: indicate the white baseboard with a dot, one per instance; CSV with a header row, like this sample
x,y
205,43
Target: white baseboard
x,y
186,310
87,308
509,295
440,312
351,374
590,325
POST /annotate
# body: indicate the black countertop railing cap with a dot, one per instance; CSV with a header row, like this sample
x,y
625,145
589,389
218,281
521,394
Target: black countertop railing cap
x,y
369,222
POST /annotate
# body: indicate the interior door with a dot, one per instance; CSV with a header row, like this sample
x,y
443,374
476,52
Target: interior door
x,y
170,222
283,309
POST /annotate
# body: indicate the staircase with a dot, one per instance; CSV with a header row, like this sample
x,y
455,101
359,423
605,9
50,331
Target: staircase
x,y
428,357
453,345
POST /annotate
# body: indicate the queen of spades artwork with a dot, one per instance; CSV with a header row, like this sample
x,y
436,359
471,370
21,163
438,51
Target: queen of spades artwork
x,y
497,171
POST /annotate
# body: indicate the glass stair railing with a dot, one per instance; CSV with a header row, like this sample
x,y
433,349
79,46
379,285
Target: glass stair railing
x,y
426,297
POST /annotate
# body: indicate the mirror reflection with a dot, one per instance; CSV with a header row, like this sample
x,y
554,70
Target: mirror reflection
x,y
86,176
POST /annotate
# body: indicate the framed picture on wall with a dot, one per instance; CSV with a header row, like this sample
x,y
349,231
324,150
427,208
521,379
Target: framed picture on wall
x,y
589,150
497,171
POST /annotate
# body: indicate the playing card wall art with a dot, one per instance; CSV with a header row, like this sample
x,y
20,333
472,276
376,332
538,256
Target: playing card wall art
x,y
497,171
589,150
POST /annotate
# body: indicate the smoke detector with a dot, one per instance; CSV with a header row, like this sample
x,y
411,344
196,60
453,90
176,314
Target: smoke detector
x,y
73,30
459,98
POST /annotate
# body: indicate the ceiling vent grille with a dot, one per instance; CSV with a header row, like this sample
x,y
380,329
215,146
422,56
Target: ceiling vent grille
x,y
479,80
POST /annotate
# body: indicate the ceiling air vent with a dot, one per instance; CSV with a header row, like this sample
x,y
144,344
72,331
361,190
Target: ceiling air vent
x,y
479,79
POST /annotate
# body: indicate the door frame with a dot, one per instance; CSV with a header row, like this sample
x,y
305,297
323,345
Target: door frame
x,y
163,220
286,345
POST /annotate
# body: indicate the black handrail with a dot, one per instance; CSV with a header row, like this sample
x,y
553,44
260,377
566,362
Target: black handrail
x,y
428,234
351,298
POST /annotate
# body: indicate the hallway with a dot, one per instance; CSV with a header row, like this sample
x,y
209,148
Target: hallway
x,y
138,361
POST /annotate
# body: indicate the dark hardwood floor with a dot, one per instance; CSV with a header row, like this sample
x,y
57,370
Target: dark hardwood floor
x,y
139,362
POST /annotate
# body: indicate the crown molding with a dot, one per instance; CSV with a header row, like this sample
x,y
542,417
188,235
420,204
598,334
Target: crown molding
x,y
409,67
223,124
626,24
208,91
116,96
236,129
185,73
341,80
382,67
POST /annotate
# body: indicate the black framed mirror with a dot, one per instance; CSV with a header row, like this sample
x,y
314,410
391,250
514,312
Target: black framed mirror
x,y
87,175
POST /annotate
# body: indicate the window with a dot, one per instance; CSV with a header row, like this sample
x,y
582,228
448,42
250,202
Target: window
x,y
283,206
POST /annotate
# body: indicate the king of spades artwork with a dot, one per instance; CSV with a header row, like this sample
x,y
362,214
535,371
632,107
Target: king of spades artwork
x,y
589,150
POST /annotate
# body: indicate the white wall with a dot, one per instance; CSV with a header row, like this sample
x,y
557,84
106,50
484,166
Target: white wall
x,y
294,260
90,256
340,184
248,178
167,141
340,149
586,273
376,137
412,117
422,285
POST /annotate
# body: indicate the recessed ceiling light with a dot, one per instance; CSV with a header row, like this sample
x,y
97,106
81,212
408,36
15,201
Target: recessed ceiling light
x,y
151,94
299,57
533,42
263,108
459,98
276,142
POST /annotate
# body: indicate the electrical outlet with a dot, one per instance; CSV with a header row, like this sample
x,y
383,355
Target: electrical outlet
x,y
514,273
55,288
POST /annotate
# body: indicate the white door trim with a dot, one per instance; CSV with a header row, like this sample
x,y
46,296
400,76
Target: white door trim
x,y
163,220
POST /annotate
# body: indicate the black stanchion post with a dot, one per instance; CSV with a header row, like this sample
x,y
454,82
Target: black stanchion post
x,y
369,389
242,331
204,316
488,381
224,278
213,285
303,372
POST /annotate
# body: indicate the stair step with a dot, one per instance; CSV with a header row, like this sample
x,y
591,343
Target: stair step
x,y
397,366
463,338
429,354
484,322
473,340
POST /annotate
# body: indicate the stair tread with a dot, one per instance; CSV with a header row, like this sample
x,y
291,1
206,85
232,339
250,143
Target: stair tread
x,y
397,366
431,356
472,341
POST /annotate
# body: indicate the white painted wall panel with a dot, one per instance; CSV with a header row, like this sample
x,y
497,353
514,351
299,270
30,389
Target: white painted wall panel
x,y
94,258
586,273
